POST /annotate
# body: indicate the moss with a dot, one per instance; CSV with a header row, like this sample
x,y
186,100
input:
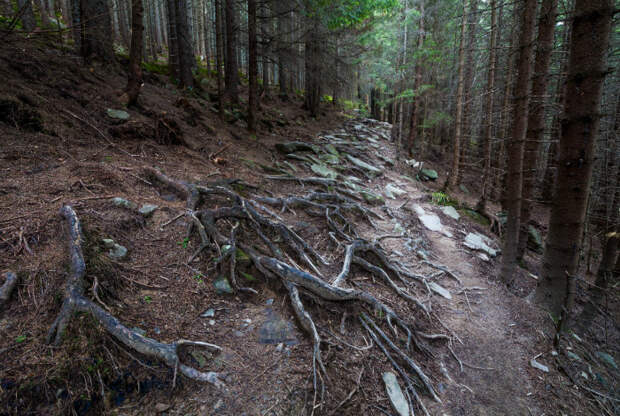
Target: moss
x,y
156,68
476,216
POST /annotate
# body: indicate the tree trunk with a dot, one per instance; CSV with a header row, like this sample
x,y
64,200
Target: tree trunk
x,y
417,83
252,65
515,146
232,70
488,126
219,40
313,73
97,31
586,73
173,44
284,27
185,47
454,173
28,20
536,116
134,81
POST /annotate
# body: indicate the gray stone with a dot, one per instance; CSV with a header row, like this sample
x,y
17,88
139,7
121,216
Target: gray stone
x,y
440,290
269,301
370,170
324,171
222,286
539,366
107,242
428,174
161,407
122,202
118,252
431,221
397,398
484,257
451,212
147,209
393,191
209,313
479,242
118,114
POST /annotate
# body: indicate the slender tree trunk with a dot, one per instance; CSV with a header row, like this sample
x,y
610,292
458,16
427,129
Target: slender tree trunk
x,y
185,47
232,69
488,126
253,65
173,44
587,71
517,139
313,71
454,173
417,83
134,81
284,27
219,40
536,115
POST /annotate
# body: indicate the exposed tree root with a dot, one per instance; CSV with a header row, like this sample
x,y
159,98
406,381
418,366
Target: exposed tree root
x,y
76,301
7,288
278,244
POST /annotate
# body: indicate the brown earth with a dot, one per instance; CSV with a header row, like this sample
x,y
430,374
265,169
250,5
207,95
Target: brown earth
x,y
59,147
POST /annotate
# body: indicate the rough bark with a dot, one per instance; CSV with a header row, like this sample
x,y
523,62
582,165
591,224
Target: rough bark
x,y
587,71
312,60
134,80
253,65
456,156
232,70
185,47
417,83
96,31
536,116
173,45
517,139
28,20
219,46
488,125
284,27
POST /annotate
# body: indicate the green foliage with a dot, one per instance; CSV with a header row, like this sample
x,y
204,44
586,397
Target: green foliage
x,y
441,198
326,98
198,277
20,338
184,243
148,299
156,67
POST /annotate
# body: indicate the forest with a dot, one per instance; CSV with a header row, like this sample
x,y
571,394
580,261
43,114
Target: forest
x,y
310,207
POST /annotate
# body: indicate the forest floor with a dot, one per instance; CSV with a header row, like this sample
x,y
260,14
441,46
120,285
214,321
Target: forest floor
x,y
60,146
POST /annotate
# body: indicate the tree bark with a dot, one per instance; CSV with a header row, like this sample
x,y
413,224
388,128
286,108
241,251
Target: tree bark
x,y
28,20
219,40
185,47
134,81
284,27
587,71
517,139
173,45
417,83
97,31
232,70
313,71
488,126
454,173
252,65
536,116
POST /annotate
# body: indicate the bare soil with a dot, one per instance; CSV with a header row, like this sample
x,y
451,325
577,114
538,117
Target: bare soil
x,y
59,147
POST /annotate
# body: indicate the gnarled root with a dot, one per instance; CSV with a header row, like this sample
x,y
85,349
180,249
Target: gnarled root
x,y
76,301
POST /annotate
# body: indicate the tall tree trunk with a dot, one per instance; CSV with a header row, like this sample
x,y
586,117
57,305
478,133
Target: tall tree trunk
x,y
232,69
28,20
417,83
252,65
284,27
454,173
185,47
488,126
219,59
173,43
536,115
313,71
134,81
517,139
97,31
587,71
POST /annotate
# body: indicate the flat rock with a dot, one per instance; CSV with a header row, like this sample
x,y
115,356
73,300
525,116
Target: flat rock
x,y
118,252
440,290
222,286
122,202
107,242
451,212
147,209
539,366
397,398
324,171
161,407
431,221
370,169
480,242
117,114
428,174
276,329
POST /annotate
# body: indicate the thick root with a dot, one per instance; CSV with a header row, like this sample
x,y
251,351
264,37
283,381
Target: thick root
x,y
76,301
